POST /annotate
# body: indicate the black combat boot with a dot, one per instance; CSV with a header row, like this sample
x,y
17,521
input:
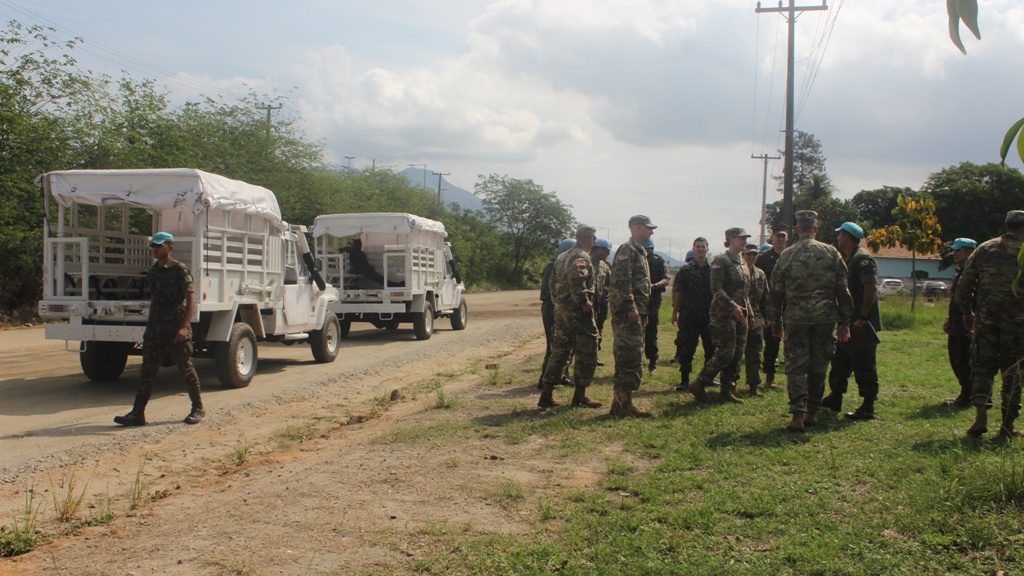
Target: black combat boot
x,y
833,402
137,417
197,413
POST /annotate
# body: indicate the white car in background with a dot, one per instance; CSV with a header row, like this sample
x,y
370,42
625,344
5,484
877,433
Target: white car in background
x,y
890,286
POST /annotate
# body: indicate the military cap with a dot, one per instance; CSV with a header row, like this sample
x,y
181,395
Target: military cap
x,y
807,216
160,238
779,228
641,219
585,230
649,245
963,243
566,244
752,248
1015,217
851,229
736,233
603,243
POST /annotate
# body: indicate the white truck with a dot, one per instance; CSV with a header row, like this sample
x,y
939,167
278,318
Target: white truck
x,y
254,275
390,268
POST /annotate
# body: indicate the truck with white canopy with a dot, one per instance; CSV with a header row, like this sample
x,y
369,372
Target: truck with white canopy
x,y
390,268
254,276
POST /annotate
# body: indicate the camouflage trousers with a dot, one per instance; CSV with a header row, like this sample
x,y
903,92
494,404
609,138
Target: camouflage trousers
x,y
997,347
629,351
573,335
154,350
730,337
752,355
808,348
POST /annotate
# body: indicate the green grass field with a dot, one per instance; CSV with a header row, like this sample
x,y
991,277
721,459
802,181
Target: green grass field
x,y
723,489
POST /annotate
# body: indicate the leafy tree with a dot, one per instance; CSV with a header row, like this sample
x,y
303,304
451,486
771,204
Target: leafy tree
x,y
875,206
808,159
817,186
530,219
972,200
916,229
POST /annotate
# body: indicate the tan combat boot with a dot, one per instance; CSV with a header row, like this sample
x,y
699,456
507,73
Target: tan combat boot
x,y
729,393
622,406
797,422
810,419
580,400
980,425
546,399
697,389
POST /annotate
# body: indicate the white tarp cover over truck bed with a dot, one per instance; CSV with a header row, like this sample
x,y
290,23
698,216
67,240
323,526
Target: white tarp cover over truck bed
x,y
149,189
344,225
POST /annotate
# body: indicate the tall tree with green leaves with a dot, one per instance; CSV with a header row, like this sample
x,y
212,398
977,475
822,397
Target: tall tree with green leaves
x,y
916,229
808,159
530,219
971,200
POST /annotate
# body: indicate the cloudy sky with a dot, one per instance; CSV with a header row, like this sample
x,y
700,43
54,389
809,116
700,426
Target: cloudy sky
x,y
620,107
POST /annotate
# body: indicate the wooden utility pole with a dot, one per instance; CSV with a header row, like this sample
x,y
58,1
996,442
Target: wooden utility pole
x,y
789,12
269,108
764,192
439,175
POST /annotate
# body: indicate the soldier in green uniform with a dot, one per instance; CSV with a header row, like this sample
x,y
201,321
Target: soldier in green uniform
x,y
766,261
758,298
547,310
169,330
629,295
994,312
599,253
575,333
810,278
862,280
958,341
730,319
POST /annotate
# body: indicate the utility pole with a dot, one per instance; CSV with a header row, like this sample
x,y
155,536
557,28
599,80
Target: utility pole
x,y
269,108
439,175
790,14
764,192
349,158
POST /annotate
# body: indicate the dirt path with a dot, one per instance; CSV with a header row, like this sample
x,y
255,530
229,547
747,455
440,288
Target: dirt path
x,y
294,475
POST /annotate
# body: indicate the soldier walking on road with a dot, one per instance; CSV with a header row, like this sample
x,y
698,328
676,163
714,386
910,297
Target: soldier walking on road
x,y
991,295
730,319
810,278
599,253
629,296
691,310
766,261
547,308
575,333
862,281
659,279
758,298
168,331
958,341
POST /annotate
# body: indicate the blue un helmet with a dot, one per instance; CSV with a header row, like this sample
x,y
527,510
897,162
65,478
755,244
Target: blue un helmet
x,y
649,245
566,244
603,243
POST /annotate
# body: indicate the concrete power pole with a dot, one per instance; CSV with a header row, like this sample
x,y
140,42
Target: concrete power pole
x,y
764,192
269,108
439,175
790,14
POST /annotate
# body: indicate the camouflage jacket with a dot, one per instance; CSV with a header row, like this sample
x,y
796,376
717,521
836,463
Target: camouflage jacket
x,y
811,279
758,295
693,282
861,271
572,281
630,286
730,284
985,284
602,274
168,286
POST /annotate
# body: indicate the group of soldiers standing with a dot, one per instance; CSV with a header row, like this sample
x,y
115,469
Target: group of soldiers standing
x,y
821,300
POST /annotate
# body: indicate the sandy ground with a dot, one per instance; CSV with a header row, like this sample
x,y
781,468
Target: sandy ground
x,y
312,469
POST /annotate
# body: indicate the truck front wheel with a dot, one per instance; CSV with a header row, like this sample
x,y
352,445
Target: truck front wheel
x,y
326,341
460,316
103,361
236,358
423,322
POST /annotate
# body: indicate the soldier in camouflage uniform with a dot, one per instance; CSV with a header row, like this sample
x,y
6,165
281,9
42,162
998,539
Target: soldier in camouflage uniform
x,y
169,330
758,298
572,291
730,282
994,313
958,341
766,261
629,295
862,281
547,310
810,278
599,253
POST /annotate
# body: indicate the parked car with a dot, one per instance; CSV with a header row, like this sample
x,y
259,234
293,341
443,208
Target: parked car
x,y
935,288
890,286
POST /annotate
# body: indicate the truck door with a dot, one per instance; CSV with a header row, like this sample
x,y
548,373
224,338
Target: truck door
x,y
298,289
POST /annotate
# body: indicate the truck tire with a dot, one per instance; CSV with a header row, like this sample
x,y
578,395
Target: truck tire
x,y
103,361
423,322
236,359
326,341
460,316
344,327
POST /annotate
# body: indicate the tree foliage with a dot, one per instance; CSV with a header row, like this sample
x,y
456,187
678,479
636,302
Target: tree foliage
x,y
916,229
972,200
808,159
531,220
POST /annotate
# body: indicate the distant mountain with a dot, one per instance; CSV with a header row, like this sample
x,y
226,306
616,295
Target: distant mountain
x,y
450,193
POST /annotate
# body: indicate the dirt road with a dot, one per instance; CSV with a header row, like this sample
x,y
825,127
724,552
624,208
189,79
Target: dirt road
x,y
169,486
